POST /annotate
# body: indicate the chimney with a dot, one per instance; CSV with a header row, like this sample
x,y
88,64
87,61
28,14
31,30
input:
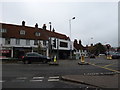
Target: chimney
x,y
79,42
36,25
23,23
44,27
53,30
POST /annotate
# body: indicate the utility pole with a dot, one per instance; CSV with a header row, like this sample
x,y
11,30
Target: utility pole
x,y
70,37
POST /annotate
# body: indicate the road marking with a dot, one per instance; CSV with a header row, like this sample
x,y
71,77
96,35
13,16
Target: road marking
x,y
21,78
55,77
105,68
1,81
38,77
53,80
36,80
18,81
109,65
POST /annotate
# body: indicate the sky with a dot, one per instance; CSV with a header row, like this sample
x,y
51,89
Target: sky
x,y
94,21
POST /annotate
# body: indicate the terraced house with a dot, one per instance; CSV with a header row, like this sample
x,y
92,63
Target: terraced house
x,y
16,40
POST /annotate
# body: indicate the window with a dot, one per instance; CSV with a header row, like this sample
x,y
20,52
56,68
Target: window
x,y
27,42
63,44
17,41
37,34
7,41
22,32
44,43
35,42
3,30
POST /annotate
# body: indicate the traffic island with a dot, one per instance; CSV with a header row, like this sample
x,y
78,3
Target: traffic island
x,y
53,63
83,63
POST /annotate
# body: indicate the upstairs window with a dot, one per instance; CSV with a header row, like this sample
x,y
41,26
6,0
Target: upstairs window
x,y
2,30
22,32
37,34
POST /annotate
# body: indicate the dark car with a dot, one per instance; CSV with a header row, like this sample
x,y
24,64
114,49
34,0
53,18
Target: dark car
x,y
115,55
34,57
92,56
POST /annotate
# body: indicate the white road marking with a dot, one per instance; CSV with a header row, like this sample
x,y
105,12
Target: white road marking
x,y
17,80
38,77
55,77
36,80
1,81
53,80
21,78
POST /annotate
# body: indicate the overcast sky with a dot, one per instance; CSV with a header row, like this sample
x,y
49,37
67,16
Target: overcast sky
x,y
96,20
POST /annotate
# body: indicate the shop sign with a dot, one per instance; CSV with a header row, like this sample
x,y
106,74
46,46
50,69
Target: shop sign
x,y
4,51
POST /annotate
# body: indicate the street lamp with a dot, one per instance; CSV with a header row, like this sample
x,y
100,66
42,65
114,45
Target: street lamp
x,y
70,37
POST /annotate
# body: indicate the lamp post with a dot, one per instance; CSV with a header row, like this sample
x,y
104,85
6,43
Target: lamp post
x,y
70,37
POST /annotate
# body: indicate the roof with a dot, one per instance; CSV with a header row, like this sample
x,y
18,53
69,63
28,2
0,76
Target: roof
x,y
13,31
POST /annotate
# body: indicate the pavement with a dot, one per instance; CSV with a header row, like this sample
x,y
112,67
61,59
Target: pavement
x,y
101,81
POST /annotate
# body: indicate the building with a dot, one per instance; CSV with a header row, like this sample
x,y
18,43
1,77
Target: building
x,y
16,40
79,49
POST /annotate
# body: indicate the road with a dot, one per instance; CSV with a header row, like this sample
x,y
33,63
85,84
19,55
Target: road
x,y
37,75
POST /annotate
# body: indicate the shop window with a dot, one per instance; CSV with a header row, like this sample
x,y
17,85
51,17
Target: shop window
x,y
17,41
35,42
7,41
44,43
27,42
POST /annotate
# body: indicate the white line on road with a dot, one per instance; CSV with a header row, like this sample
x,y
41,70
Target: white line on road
x,y
55,77
36,80
53,80
21,78
1,81
38,77
18,81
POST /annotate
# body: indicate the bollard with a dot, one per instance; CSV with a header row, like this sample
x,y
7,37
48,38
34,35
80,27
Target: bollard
x,y
55,60
82,59
109,57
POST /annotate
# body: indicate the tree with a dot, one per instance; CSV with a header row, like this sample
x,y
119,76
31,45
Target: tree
x,y
99,49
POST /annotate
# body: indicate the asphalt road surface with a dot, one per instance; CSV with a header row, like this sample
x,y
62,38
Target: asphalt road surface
x,y
38,75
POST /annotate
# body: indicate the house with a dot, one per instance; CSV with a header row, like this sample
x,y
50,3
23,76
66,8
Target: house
x,y
79,49
16,40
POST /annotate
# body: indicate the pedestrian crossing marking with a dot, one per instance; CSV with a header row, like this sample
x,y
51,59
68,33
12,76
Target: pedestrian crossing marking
x,y
36,80
38,77
21,78
1,81
54,77
51,80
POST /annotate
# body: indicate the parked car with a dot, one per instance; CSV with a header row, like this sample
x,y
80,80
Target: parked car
x,y
35,57
115,55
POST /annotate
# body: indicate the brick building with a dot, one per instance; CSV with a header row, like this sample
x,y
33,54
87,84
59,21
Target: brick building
x,y
16,40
